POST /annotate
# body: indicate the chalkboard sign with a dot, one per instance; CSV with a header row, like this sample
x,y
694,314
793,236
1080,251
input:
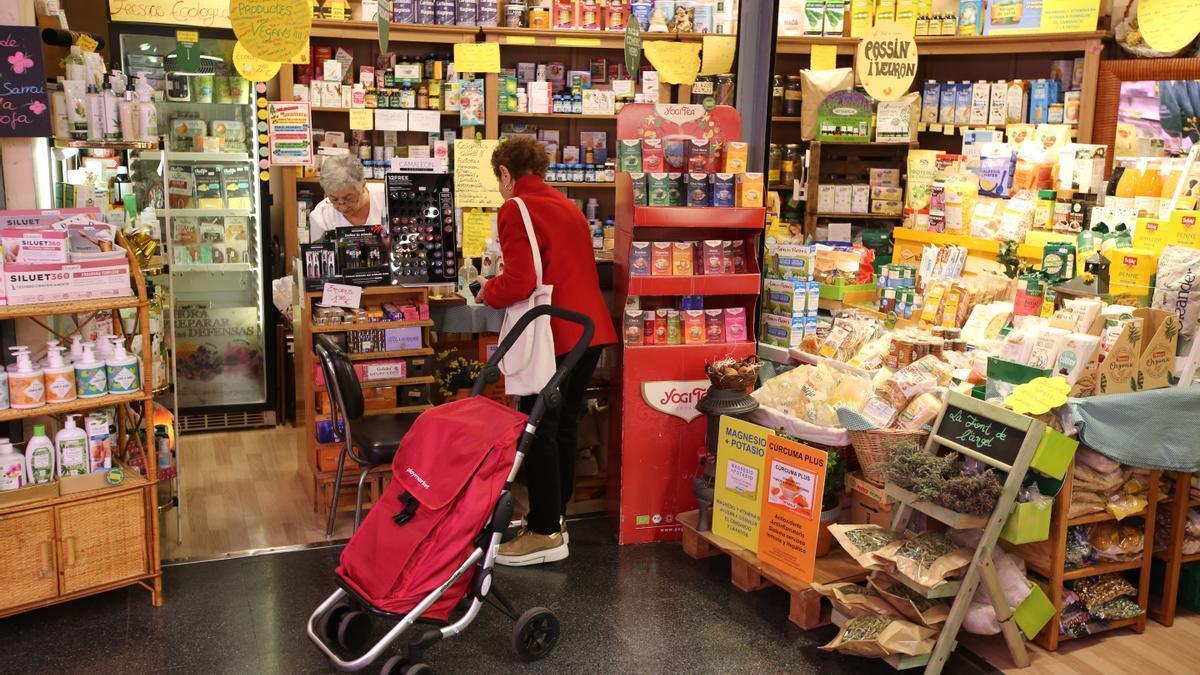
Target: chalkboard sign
x,y
24,103
979,431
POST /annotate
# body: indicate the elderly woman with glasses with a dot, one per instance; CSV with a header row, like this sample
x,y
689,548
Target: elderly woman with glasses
x,y
348,199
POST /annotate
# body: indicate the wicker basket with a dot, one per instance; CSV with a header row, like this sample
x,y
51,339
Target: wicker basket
x,y
872,448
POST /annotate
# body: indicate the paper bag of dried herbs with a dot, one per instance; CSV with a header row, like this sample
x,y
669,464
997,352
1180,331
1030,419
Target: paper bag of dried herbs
x,y
879,636
908,602
856,601
928,558
862,541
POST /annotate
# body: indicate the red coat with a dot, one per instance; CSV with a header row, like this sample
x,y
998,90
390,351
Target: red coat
x,y
568,262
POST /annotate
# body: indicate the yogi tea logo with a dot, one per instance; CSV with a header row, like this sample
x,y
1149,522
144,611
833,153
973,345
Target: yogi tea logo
x,y
887,60
675,397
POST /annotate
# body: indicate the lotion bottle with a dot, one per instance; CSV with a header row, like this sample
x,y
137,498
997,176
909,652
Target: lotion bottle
x,y
26,386
39,456
122,370
12,468
72,442
95,113
91,378
112,126
4,403
59,376
127,114
147,115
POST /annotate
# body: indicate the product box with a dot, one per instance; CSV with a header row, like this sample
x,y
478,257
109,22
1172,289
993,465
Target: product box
x,y
1184,229
887,207
786,297
885,177
894,194
1039,102
35,245
681,258
962,103
946,105
782,331
660,258
930,101
843,196
396,339
29,283
1140,364
791,261
980,96
860,198
825,198
998,104
750,190
868,502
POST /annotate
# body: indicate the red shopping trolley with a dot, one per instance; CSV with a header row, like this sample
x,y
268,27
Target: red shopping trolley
x,y
423,558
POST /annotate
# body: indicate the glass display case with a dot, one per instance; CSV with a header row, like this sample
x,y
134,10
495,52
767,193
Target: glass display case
x,y
206,190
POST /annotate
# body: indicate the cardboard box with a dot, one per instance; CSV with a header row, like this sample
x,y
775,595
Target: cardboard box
x,y
860,198
881,192
782,331
1184,229
1143,364
887,207
825,198
868,502
885,177
786,297
843,197
55,282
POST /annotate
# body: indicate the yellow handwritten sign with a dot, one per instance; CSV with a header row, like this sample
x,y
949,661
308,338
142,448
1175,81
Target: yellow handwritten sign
x,y
1038,396
251,67
187,36
676,62
302,57
887,60
477,226
203,13
717,54
481,57
1167,25
362,119
577,42
474,182
823,57
87,43
273,30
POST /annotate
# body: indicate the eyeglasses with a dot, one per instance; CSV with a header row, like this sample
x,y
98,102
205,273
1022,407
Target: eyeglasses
x,y
344,201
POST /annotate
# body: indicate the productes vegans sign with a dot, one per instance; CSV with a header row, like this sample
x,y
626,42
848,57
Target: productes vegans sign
x,y
886,60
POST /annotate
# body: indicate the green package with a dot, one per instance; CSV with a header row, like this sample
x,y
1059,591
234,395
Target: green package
x,y
814,17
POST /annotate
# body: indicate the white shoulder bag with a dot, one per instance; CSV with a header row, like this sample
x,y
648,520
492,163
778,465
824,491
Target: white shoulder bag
x,y
529,364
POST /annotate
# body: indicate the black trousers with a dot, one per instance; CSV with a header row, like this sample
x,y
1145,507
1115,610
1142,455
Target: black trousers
x,y
550,462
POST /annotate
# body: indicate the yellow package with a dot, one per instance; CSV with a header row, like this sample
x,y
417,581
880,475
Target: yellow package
x,y
1151,233
1184,229
1131,274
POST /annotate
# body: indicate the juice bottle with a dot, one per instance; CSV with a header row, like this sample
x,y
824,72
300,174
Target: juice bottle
x,y
1148,191
1126,187
1173,174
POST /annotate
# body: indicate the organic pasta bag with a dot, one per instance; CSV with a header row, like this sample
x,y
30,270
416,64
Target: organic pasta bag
x,y
929,558
912,605
815,85
880,636
856,601
862,541
985,217
1178,289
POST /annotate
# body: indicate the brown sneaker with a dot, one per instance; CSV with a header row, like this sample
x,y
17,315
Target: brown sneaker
x,y
531,548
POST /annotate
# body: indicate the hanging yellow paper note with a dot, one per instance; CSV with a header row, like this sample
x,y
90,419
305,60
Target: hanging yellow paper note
x,y
823,57
273,30
362,119
1168,25
251,67
88,44
717,57
676,62
474,182
1038,396
477,227
481,57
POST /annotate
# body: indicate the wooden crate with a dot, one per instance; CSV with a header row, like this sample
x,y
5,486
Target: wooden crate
x,y
807,608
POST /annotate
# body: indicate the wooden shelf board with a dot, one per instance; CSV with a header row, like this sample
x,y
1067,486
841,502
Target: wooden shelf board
x,y
400,32
857,216
559,116
78,405
325,108
568,39
897,661
378,325
1101,517
958,521
133,481
1101,568
377,290
573,184
399,382
394,354
953,45
1122,623
1194,557
785,119
68,307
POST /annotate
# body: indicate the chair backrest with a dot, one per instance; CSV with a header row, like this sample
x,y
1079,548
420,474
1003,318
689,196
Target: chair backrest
x,y
345,392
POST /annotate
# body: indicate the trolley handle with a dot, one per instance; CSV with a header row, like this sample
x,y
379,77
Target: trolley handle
x,y
491,370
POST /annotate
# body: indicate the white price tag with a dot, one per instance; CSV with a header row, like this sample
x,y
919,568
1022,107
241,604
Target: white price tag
x,y
424,120
387,119
341,295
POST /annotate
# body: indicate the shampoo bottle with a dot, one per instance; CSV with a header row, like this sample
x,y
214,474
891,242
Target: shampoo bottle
x,y
76,70
98,443
95,113
72,445
91,378
26,387
127,114
39,456
59,376
12,468
122,370
112,127
147,115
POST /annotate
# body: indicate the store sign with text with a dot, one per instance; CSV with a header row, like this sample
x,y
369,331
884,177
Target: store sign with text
x,y
24,102
791,507
205,13
677,398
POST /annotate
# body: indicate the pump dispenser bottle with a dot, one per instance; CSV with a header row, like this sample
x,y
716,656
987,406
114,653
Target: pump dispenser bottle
x,y
71,443
39,456
91,378
122,370
26,387
59,376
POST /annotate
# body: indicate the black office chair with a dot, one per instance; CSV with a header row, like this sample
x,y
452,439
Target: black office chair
x,y
371,441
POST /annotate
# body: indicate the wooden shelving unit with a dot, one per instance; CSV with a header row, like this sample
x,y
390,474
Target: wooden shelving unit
x,y
77,536
1048,559
1163,608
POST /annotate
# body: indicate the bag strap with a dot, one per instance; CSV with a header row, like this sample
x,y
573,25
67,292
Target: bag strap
x,y
533,242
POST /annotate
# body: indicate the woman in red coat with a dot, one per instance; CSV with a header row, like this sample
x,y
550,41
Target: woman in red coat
x,y
568,264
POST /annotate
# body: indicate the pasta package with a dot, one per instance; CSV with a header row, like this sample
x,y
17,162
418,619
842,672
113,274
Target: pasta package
x,y
879,636
919,412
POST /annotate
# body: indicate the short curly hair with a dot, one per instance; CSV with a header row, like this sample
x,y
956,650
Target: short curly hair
x,y
523,155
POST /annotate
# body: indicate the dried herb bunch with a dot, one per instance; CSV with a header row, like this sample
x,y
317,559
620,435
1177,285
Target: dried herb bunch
x,y
974,495
926,547
865,628
917,471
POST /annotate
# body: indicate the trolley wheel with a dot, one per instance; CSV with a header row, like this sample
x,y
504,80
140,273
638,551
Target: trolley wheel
x,y
395,665
418,669
535,634
353,631
328,622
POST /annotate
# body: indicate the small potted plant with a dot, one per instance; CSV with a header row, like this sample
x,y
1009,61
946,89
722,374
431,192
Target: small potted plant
x,y
831,505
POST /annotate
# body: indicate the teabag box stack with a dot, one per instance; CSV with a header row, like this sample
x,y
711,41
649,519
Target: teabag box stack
x,y
790,295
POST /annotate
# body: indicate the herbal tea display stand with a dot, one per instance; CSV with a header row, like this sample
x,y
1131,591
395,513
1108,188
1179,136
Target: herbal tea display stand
x,y
1005,441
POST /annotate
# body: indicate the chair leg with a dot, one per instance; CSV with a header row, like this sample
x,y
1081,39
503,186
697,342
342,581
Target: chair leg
x,y
359,497
333,500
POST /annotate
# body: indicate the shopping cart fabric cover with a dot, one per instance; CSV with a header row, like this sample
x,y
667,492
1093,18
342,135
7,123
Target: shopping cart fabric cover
x,y
1157,429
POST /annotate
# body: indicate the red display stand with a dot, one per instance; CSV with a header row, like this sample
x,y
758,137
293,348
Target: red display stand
x,y
658,437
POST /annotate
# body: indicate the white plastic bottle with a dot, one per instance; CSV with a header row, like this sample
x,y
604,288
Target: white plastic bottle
x,y
71,444
95,113
12,468
122,370
27,389
91,377
147,114
39,456
59,376
112,120
127,114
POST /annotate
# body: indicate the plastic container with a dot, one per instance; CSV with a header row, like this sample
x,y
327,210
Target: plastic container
x,y
39,457
71,444
91,378
59,376
27,389
12,468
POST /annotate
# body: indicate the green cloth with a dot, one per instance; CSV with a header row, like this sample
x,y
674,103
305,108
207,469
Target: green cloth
x,y
1157,429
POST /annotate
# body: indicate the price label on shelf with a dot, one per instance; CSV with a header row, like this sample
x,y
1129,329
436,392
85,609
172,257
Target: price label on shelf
x,y
341,295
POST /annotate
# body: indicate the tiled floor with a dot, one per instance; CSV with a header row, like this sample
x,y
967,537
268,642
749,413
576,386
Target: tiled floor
x,y
633,609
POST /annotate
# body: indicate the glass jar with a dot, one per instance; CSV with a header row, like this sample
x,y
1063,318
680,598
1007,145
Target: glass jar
x,y
792,165
774,164
724,90
791,96
702,88
577,173
777,96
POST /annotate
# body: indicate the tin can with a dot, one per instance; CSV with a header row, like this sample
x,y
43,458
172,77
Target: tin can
x,y
515,14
